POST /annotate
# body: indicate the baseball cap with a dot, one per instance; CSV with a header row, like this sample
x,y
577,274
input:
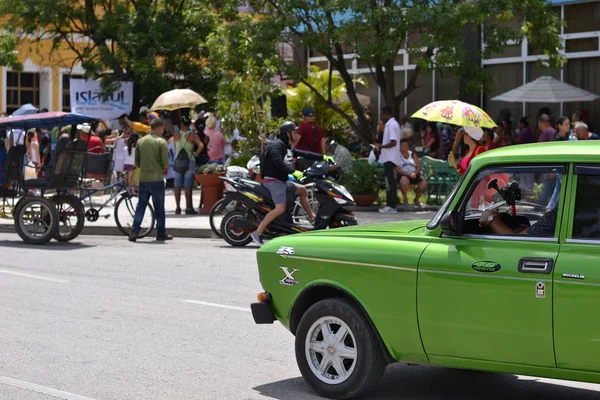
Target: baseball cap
x,y
474,131
308,112
84,128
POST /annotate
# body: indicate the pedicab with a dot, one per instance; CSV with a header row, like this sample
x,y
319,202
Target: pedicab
x,y
42,208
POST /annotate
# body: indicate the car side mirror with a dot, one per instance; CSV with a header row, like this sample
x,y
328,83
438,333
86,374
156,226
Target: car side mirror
x,y
448,223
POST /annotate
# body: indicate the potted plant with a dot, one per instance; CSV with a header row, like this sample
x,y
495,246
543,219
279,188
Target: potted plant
x,y
207,176
363,184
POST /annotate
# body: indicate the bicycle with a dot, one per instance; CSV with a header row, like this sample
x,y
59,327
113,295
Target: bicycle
x,y
125,207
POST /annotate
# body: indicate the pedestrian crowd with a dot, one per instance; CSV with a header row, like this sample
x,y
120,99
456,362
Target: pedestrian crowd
x,y
395,146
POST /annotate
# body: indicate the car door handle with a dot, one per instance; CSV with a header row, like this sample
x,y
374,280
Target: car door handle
x,y
536,265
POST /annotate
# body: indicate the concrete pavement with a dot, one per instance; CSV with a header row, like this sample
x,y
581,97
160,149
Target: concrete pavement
x,y
197,226
105,319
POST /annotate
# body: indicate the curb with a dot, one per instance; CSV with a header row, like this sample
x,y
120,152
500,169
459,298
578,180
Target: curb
x,y
114,231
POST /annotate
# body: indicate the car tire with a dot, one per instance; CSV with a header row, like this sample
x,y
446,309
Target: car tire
x,y
335,326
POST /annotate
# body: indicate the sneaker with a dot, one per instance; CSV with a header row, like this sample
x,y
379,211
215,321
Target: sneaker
x,y
177,211
257,238
133,236
388,210
190,211
164,237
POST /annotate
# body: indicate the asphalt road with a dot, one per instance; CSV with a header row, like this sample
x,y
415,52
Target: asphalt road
x,y
103,319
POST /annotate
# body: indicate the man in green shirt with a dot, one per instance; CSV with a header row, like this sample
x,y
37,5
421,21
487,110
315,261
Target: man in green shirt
x,y
152,158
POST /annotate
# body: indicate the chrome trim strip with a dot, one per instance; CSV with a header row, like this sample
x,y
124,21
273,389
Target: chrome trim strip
x,y
576,283
514,278
350,263
520,238
582,241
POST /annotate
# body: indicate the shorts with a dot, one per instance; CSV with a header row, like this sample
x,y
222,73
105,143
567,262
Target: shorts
x,y
128,167
186,179
279,189
415,181
219,161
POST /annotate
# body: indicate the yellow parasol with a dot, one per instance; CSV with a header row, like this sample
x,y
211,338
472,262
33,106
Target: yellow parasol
x,y
455,112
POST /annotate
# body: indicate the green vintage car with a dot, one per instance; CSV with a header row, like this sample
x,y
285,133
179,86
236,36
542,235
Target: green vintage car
x,y
505,277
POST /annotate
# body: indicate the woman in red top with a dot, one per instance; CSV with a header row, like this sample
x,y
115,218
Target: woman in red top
x,y
471,137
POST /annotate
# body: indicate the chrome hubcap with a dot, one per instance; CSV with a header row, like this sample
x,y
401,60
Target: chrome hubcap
x,y
331,350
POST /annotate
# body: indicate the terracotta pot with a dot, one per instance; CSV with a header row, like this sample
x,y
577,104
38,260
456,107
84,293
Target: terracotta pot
x,y
209,179
365,200
212,190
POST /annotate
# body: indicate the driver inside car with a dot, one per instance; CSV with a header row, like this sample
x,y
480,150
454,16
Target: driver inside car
x,y
545,226
275,173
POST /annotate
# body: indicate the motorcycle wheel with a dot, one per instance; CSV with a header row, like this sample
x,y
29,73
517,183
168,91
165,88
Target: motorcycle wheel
x,y
218,211
343,219
231,236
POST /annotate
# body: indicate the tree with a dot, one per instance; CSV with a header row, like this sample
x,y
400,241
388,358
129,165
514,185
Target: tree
x,y
8,51
302,96
154,43
247,63
430,31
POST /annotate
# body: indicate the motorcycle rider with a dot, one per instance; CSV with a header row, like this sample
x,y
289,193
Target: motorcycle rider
x,y
275,171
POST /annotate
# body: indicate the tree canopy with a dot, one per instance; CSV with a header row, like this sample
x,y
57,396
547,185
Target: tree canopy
x,y
432,32
154,43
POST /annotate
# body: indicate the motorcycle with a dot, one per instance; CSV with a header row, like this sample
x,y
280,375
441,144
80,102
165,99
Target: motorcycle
x,y
332,199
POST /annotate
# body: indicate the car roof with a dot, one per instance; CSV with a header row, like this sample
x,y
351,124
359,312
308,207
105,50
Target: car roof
x,y
585,151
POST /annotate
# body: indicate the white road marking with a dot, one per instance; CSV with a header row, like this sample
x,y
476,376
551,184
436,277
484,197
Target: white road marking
x,y
42,389
204,303
42,278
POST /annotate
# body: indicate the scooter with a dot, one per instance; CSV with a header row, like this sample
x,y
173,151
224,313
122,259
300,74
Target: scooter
x,y
331,196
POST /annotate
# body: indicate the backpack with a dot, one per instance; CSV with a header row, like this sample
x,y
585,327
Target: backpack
x,y
262,158
182,161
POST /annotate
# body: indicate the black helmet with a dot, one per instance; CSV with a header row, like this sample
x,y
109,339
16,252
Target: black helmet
x,y
286,127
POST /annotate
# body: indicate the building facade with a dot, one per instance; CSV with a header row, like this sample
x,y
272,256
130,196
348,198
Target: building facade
x,y
516,66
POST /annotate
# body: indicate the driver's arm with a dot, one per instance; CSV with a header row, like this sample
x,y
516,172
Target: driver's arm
x,y
497,225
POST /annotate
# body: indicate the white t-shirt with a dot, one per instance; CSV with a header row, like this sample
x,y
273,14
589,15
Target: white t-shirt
x,y
391,132
19,136
129,158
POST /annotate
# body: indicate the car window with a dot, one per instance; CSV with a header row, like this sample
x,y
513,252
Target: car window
x,y
586,222
520,196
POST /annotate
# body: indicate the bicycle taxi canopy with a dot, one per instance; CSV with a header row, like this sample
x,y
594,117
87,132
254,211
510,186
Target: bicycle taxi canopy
x,y
46,120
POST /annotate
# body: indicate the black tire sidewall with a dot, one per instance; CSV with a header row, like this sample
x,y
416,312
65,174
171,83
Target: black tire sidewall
x,y
370,362
224,230
55,218
80,212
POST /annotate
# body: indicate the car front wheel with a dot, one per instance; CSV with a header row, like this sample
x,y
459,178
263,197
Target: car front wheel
x,y
337,351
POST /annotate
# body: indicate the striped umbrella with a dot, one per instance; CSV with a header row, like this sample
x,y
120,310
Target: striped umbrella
x,y
546,89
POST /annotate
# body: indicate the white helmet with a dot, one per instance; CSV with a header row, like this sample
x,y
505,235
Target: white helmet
x,y
254,164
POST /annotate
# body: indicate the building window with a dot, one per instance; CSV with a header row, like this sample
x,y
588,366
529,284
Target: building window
x,y
21,88
66,91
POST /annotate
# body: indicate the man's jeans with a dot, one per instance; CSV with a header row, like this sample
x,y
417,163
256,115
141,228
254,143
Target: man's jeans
x,y
156,190
392,185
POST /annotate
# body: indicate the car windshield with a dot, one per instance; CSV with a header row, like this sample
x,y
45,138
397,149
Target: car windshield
x,y
438,216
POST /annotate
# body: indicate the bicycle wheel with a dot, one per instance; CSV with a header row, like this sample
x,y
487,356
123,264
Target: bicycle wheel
x,y
218,211
71,217
125,212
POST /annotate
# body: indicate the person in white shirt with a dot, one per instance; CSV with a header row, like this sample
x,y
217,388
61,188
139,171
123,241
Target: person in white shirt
x,y
390,158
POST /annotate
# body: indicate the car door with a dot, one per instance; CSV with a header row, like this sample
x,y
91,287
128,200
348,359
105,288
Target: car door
x,y
577,277
486,296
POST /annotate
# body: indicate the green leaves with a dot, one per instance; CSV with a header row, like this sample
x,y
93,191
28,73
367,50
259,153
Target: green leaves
x,y
154,43
8,51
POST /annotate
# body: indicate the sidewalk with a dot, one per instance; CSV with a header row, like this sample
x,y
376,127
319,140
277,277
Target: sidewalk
x,y
198,226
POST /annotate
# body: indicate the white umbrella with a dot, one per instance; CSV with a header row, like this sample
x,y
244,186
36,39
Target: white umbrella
x,y
178,98
546,90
